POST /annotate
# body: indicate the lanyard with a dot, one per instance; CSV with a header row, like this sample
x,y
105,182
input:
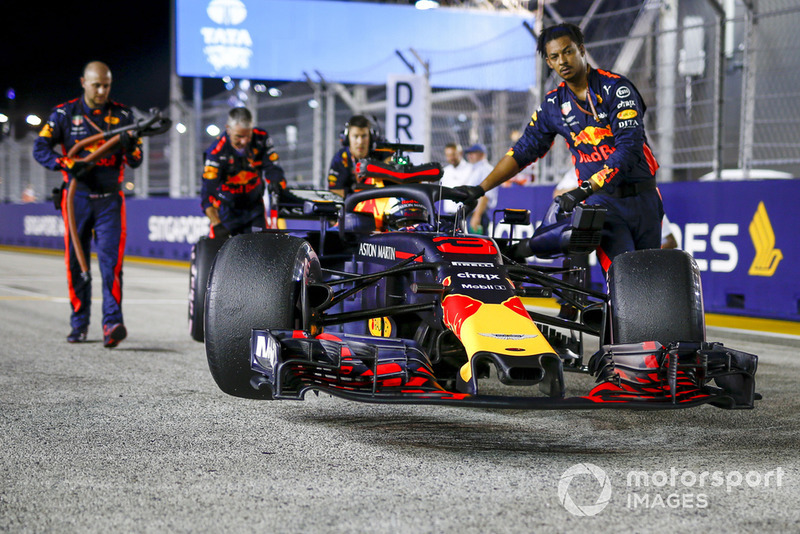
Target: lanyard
x,y
95,126
593,113
589,95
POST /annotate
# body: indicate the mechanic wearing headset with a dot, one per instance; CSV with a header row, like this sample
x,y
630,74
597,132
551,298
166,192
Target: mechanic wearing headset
x,y
99,203
236,165
600,114
359,140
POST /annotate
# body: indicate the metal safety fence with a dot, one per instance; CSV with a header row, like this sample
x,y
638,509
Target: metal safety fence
x,y
721,79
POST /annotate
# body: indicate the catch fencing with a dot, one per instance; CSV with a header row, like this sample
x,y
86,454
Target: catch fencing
x,y
721,80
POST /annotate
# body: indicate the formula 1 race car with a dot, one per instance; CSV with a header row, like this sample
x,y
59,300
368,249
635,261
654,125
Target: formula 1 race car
x,y
387,300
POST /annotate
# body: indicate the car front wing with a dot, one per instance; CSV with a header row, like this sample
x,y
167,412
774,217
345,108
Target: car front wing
x,y
642,376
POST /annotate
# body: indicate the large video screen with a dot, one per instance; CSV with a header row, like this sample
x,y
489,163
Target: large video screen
x,y
352,42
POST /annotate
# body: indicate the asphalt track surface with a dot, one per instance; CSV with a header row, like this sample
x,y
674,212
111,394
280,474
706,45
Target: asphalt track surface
x,y
139,439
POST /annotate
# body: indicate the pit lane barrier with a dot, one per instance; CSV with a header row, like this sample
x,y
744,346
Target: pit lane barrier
x,y
740,233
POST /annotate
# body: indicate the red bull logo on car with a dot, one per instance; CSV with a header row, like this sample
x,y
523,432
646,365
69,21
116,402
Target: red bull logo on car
x,y
457,309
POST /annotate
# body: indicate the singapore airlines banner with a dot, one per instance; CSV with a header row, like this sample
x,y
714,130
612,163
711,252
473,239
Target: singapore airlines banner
x,y
741,234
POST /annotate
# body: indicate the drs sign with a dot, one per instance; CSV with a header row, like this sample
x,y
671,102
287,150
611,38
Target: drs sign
x,y
406,120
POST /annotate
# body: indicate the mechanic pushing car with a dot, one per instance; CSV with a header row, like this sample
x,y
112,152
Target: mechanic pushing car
x,y
600,114
93,200
236,165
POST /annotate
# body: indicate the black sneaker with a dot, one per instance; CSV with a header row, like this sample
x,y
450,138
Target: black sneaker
x,y
113,334
78,335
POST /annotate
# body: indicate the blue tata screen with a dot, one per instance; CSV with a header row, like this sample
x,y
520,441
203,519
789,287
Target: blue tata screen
x,y
352,42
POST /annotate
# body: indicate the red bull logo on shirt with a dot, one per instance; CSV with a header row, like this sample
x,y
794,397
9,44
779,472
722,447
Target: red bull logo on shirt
x,y
94,146
591,135
242,177
601,153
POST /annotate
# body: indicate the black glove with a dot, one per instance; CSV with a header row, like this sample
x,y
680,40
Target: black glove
x,y
76,168
471,193
80,170
570,199
128,141
276,187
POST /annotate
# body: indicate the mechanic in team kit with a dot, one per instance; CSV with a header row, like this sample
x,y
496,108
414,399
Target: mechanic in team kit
x,y
98,204
236,166
359,140
600,114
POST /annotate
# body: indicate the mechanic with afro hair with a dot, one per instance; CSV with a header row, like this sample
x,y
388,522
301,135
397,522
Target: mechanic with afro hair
x,y
600,114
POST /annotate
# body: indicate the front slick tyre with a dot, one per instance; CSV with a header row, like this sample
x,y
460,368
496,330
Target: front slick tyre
x,y
656,295
255,283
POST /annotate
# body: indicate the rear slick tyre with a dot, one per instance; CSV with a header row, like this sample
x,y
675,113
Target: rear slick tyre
x,y
656,295
255,282
203,253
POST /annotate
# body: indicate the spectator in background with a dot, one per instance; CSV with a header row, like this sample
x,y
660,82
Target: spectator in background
x,y
456,173
525,176
28,194
480,218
